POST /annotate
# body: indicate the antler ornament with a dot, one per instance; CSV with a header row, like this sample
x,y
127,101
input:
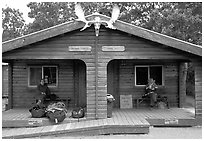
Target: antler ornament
x,y
97,21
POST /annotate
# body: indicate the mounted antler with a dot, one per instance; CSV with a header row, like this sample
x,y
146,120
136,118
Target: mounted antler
x,y
114,16
80,14
97,22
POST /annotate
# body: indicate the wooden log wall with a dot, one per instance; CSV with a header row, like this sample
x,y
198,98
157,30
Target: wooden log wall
x,y
127,81
23,95
172,83
198,90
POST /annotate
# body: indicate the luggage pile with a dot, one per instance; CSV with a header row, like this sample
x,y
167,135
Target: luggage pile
x,y
56,112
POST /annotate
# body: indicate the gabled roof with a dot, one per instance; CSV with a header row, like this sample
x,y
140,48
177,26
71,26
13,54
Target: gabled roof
x,y
120,25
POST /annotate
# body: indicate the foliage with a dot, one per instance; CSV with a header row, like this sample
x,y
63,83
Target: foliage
x,y
12,23
179,20
47,14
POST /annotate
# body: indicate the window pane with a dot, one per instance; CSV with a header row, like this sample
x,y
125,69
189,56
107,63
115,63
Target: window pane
x,y
35,76
156,74
141,75
50,75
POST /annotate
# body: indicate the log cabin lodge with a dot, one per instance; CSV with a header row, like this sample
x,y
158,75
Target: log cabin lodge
x,y
84,67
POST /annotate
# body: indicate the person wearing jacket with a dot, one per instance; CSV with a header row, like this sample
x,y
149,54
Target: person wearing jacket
x,y
151,88
43,92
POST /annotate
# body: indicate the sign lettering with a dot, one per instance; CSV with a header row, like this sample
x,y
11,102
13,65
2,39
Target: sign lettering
x,y
125,101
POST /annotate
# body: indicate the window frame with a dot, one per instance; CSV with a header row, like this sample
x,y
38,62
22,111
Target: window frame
x,y
148,66
42,73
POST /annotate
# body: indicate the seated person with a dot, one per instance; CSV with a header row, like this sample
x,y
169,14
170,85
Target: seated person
x,y
151,91
43,92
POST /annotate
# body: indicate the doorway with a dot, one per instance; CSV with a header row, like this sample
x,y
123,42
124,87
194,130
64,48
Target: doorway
x,y
113,81
80,95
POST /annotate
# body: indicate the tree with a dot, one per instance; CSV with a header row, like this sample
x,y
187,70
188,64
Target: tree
x,y
12,23
180,20
47,14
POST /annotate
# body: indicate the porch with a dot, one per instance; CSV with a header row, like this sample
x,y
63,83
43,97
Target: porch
x,y
125,117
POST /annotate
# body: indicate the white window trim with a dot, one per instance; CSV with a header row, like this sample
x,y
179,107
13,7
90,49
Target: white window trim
x,y
34,86
148,66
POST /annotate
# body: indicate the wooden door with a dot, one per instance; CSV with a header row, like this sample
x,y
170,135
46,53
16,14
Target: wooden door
x,y
80,83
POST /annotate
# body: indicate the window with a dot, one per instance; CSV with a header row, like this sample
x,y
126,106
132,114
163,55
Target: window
x,y
49,73
143,73
35,75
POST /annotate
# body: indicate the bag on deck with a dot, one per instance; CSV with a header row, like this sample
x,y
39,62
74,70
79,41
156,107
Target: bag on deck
x,y
78,113
56,112
37,111
56,115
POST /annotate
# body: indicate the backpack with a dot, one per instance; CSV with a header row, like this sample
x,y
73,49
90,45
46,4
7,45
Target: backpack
x,y
78,113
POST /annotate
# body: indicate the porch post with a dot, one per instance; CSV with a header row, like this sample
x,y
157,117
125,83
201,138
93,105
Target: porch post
x,y
91,91
198,92
96,97
102,90
182,83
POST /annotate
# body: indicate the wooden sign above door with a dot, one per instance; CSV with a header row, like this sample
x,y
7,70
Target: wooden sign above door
x,y
79,48
113,48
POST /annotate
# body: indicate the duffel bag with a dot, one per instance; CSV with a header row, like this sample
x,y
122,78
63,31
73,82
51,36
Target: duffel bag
x,y
56,115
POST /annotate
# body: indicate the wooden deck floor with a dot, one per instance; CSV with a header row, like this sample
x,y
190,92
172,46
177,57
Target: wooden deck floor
x,y
126,121
155,117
